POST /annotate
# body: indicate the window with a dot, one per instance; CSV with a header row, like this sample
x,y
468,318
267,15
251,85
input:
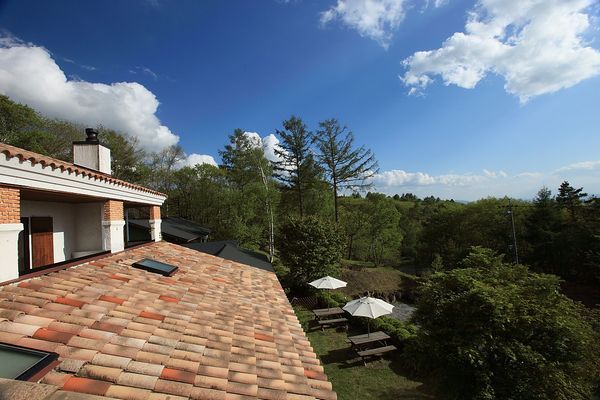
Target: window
x,y
21,363
155,266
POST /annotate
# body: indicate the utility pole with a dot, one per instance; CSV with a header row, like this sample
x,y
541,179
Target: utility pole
x,y
514,233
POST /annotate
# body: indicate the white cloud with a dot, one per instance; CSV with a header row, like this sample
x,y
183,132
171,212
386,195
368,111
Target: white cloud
x,y
471,186
374,19
402,178
197,159
537,46
268,144
29,75
584,165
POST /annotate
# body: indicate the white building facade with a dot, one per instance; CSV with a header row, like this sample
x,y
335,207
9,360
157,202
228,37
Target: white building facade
x,y
52,211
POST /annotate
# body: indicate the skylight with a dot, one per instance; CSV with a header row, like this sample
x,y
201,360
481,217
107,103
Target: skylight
x,y
21,363
155,266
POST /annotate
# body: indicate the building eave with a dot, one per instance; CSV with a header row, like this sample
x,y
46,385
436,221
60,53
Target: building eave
x,y
20,172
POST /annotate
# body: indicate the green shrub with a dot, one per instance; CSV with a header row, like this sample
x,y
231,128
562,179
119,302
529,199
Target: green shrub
x,y
310,248
502,332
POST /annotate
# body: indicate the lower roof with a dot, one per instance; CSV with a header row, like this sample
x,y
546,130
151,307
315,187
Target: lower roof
x,y
216,329
229,250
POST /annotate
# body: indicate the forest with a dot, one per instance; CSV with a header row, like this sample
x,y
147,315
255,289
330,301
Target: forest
x,y
324,174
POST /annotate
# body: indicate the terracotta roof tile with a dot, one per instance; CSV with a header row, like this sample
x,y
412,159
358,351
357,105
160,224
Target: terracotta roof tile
x,y
118,350
211,382
112,299
271,394
144,368
37,344
200,393
84,343
152,358
108,327
73,352
275,384
172,387
137,380
184,365
85,385
21,329
128,393
178,375
56,378
102,373
71,365
132,334
8,337
52,336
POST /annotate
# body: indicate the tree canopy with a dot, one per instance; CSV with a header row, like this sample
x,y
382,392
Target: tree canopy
x,y
499,331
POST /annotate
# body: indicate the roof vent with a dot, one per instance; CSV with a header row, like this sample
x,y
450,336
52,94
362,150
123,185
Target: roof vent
x,y
91,154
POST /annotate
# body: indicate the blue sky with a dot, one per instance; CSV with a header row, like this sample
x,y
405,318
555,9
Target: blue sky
x,y
501,104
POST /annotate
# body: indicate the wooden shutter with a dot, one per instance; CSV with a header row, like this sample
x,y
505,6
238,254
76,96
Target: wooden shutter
x,y
42,241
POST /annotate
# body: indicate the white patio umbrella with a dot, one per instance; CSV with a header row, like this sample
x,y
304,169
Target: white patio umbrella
x,y
328,282
369,307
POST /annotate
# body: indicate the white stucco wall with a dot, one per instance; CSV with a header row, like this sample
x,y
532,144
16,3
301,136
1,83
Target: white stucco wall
x,y
77,226
88,231
9,267
63,220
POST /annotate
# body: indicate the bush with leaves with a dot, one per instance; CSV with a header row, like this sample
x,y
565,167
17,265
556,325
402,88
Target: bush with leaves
x,y
310,248
502,332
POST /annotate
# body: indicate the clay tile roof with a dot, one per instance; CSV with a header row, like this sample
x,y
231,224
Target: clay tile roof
x,y
127,333
45,161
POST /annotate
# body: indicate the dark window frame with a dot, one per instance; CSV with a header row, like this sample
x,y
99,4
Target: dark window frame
x,y
47,361
140,265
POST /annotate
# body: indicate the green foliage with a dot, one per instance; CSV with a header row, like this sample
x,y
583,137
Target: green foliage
x,y
346,166
310,248
127,158
481,257
437,265
297,168
331,298
16,120
504,332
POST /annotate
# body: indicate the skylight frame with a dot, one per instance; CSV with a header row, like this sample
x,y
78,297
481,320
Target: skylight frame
x,y
168,269
46,361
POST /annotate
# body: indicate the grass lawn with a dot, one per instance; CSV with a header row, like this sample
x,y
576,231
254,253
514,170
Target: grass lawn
x,y
381,379
381,279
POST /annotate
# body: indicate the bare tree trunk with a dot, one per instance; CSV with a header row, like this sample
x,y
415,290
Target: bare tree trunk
x,y
270,212
335,200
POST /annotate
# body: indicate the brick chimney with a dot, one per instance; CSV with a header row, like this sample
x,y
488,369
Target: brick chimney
x,y
91,154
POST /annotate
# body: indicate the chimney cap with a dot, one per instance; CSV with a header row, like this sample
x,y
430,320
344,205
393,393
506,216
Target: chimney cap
x,y
92,135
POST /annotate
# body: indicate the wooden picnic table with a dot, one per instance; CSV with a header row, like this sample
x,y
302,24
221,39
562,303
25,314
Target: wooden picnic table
x,y
327,312
366,339
362,344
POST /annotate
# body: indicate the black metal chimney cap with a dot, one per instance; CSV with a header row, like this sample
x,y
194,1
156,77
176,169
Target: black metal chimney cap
x,y
92,135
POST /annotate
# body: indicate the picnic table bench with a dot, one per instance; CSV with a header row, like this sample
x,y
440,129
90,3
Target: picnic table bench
x,y
378,351
367,338
332,322
327,312
361,344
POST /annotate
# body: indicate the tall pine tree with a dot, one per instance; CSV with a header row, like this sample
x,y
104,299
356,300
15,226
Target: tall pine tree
x,y
345,166
296,168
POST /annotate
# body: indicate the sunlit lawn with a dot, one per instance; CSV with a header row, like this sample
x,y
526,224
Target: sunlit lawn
x,y
381,379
